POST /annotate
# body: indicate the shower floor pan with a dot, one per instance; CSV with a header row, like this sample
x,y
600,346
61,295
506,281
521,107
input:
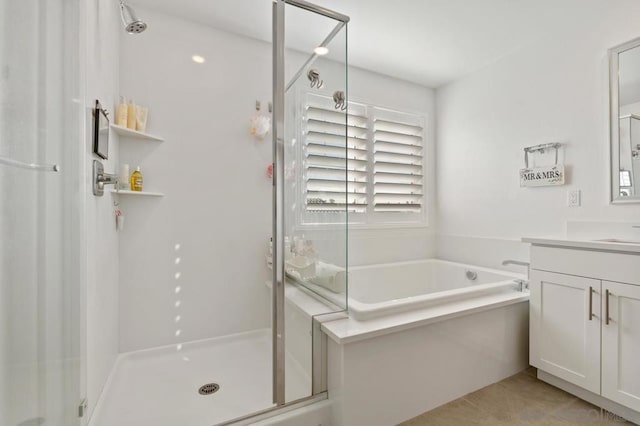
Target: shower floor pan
x,y
160,386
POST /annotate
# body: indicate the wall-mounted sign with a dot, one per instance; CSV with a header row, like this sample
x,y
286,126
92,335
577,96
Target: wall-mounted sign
x,y
542,176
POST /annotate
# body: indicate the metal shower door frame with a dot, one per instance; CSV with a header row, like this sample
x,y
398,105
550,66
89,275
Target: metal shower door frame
x,y
279,89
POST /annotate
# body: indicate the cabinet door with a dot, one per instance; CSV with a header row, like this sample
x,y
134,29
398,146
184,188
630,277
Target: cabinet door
x,y
621,344
565,327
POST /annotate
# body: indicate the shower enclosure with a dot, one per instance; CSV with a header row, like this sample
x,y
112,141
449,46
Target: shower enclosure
x,y
176,318
311,169
40,213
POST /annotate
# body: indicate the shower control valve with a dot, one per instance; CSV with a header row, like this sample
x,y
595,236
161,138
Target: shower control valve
x,y
100,178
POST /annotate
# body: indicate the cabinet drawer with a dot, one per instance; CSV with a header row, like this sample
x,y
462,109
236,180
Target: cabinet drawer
x,y
609,266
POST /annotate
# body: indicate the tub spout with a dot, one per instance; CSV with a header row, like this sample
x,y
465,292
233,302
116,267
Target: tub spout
x,y
517,262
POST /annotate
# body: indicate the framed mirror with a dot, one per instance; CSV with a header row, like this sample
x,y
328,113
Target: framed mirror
x,y
624,86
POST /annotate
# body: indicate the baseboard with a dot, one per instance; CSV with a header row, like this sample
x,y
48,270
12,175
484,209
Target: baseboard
x,y
597,400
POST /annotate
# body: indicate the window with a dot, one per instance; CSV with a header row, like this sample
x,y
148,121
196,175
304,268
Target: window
x,y
397,162
381,158
325,163
625,178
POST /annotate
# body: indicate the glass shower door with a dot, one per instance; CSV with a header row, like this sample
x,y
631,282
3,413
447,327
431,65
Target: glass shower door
x,y
39,333
312,166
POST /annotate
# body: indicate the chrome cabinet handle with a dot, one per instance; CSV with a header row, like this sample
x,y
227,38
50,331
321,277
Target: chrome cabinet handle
x,y
590,303
29,166
606,307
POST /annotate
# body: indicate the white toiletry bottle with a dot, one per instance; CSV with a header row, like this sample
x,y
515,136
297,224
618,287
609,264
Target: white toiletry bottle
x,y
299,246
124,183
141,118
287,248
131,115
123,110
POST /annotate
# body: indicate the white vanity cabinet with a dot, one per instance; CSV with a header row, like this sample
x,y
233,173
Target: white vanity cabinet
x,y
585,321
621,344
565,327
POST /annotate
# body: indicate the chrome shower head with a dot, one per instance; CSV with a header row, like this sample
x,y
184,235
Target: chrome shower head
x,y
132,24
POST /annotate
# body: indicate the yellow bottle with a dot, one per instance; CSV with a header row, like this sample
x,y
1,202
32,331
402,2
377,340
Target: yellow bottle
x,y
131,115
123,110
136,180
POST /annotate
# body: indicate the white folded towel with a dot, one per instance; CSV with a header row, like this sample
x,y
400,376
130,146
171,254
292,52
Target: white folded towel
x,y
300,267
330,276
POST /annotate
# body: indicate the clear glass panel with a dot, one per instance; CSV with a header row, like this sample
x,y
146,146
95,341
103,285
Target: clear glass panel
x,y
39,286
317,158
316,170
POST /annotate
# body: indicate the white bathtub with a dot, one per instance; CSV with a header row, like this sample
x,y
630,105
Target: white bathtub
x,y
388,288
428,332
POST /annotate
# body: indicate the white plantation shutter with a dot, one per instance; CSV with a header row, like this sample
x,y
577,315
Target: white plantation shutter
x,y
378,151
332,153
398,162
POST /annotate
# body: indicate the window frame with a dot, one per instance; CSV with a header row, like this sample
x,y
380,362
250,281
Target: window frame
x,y
369,219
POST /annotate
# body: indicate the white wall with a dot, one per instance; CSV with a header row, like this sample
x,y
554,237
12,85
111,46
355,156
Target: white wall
x,y
102,31
213,173
218,198
553,90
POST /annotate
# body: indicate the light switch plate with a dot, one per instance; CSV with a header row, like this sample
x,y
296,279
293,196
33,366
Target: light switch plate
x,y
573,198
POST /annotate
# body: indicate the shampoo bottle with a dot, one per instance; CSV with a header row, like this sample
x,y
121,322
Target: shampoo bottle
x,y
136,180
131,115
123,110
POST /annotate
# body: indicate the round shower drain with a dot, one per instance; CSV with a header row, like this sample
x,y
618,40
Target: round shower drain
x,y
208,389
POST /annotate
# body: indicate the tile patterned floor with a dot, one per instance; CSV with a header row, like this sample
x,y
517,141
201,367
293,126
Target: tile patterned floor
x,y
518,400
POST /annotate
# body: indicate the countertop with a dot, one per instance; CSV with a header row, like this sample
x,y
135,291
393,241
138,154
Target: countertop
x,y
585,244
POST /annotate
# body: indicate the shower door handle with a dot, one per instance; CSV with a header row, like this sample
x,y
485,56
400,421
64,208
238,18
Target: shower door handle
x,y
29,166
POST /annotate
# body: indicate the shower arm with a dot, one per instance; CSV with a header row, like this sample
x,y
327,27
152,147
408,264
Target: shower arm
x,y
132,23
122,6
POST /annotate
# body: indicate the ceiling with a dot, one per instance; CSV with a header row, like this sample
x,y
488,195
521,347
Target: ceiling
x,y
429,42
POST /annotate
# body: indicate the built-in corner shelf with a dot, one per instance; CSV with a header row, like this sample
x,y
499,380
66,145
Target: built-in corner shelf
x,y
137,193
123,131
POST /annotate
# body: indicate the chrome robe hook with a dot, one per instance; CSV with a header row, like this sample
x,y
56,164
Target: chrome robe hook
x,y
340,99
314,77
